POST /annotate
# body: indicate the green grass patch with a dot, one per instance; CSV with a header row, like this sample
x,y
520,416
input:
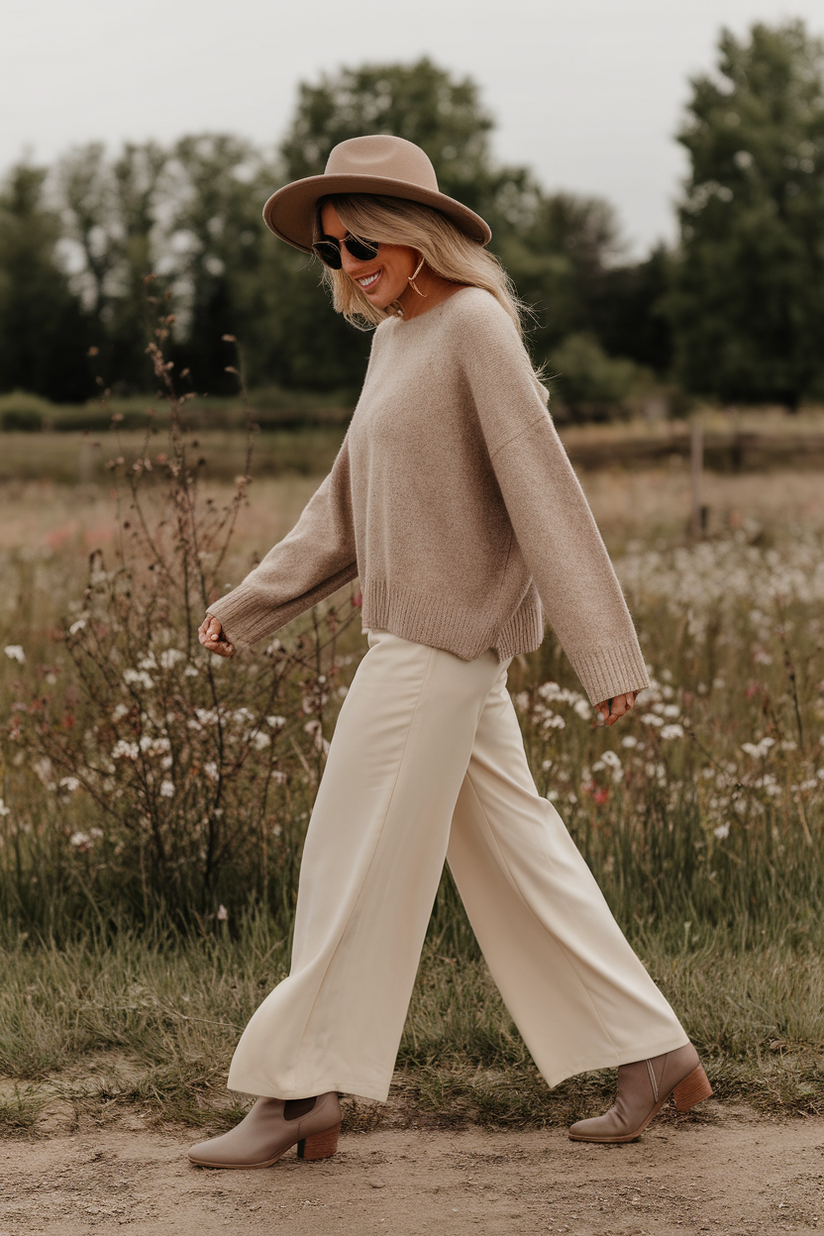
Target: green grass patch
x,y
150,1021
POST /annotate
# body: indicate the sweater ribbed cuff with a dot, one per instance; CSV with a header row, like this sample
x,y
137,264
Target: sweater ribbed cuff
x,y
611,671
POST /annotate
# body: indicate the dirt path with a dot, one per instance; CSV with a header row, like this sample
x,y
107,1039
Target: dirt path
x,y
729,1174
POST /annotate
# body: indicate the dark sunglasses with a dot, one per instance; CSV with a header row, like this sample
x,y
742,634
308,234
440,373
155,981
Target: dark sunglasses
x,y
328,250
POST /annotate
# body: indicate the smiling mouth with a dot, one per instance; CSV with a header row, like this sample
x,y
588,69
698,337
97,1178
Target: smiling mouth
x,y
369,281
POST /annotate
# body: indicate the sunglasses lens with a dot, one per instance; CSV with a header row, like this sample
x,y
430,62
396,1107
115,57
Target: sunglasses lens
x,y
363,250
328,251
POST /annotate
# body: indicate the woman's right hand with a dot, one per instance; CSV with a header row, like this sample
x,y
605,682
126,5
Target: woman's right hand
x,y
212,636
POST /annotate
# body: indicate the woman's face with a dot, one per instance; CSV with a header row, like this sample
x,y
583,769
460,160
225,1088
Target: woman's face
x,y
383,278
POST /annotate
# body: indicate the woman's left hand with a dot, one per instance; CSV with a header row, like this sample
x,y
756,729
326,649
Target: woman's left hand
x,y
611,710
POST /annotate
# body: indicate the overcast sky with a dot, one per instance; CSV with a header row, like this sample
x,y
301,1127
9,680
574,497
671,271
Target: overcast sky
x,y
588,92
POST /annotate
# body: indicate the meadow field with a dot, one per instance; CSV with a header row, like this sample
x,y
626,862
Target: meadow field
x,y
154,800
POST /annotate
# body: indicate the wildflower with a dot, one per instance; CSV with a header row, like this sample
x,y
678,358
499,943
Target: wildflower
x,y
583,709
123,750
211,770
629,740
69,784
672,731
760,749
81,841
611,759
44,770
170,657
167,789
15,653
222,914
261,740
138,678
652,718
121,711
4,810
77,626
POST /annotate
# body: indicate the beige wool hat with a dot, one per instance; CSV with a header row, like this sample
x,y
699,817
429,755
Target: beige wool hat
x,y
380,164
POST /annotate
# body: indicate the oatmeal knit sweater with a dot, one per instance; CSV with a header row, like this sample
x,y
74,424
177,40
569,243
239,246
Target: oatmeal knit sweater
x,y
454,501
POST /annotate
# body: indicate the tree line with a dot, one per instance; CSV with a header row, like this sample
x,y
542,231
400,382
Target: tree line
x,y
735,310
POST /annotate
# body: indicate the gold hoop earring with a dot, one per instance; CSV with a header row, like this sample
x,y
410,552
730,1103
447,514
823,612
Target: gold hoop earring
x,y
411,278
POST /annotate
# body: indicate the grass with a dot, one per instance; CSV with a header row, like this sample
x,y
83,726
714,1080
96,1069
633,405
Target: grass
x,y
702,816
139,1020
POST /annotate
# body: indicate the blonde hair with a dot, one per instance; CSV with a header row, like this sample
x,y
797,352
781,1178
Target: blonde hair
x,y
443,246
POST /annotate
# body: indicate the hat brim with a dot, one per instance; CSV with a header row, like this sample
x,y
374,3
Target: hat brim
x,y
290,212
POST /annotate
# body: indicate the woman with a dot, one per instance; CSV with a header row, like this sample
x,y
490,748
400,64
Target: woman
x,y
453,501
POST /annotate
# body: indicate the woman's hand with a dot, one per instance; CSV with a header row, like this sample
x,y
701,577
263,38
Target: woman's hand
x,y
611,710
212,636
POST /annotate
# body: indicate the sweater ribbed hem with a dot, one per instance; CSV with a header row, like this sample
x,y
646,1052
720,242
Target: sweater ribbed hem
x,y
427,619
439,623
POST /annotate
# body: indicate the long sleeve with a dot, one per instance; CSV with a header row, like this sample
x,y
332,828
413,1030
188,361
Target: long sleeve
x,y
311,562
550,516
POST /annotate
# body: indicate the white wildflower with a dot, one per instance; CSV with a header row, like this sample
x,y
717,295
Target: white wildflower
x,y
170,657
629,740
583,709
261,740
69,784
722,831
611,759
123,750
4,810
121,711
77,626
167,789
138,678
652,718
81,841
15,653
672,731
276,723
211,770
760,749
222,914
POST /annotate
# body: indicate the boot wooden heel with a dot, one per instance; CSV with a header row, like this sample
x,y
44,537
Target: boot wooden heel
x,y
320,1145
693,1089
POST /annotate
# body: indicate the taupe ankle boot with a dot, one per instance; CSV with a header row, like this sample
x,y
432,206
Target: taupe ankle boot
x,y
270,1128
643,1089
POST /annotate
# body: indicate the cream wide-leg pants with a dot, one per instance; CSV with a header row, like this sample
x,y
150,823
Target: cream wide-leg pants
x,y
427,763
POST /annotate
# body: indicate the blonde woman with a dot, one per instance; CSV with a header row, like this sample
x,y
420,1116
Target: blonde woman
x,y
454,503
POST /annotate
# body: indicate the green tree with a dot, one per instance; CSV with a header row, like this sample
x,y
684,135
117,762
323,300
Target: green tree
x,y
559,256
43,331
216,252
747,303
113,211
